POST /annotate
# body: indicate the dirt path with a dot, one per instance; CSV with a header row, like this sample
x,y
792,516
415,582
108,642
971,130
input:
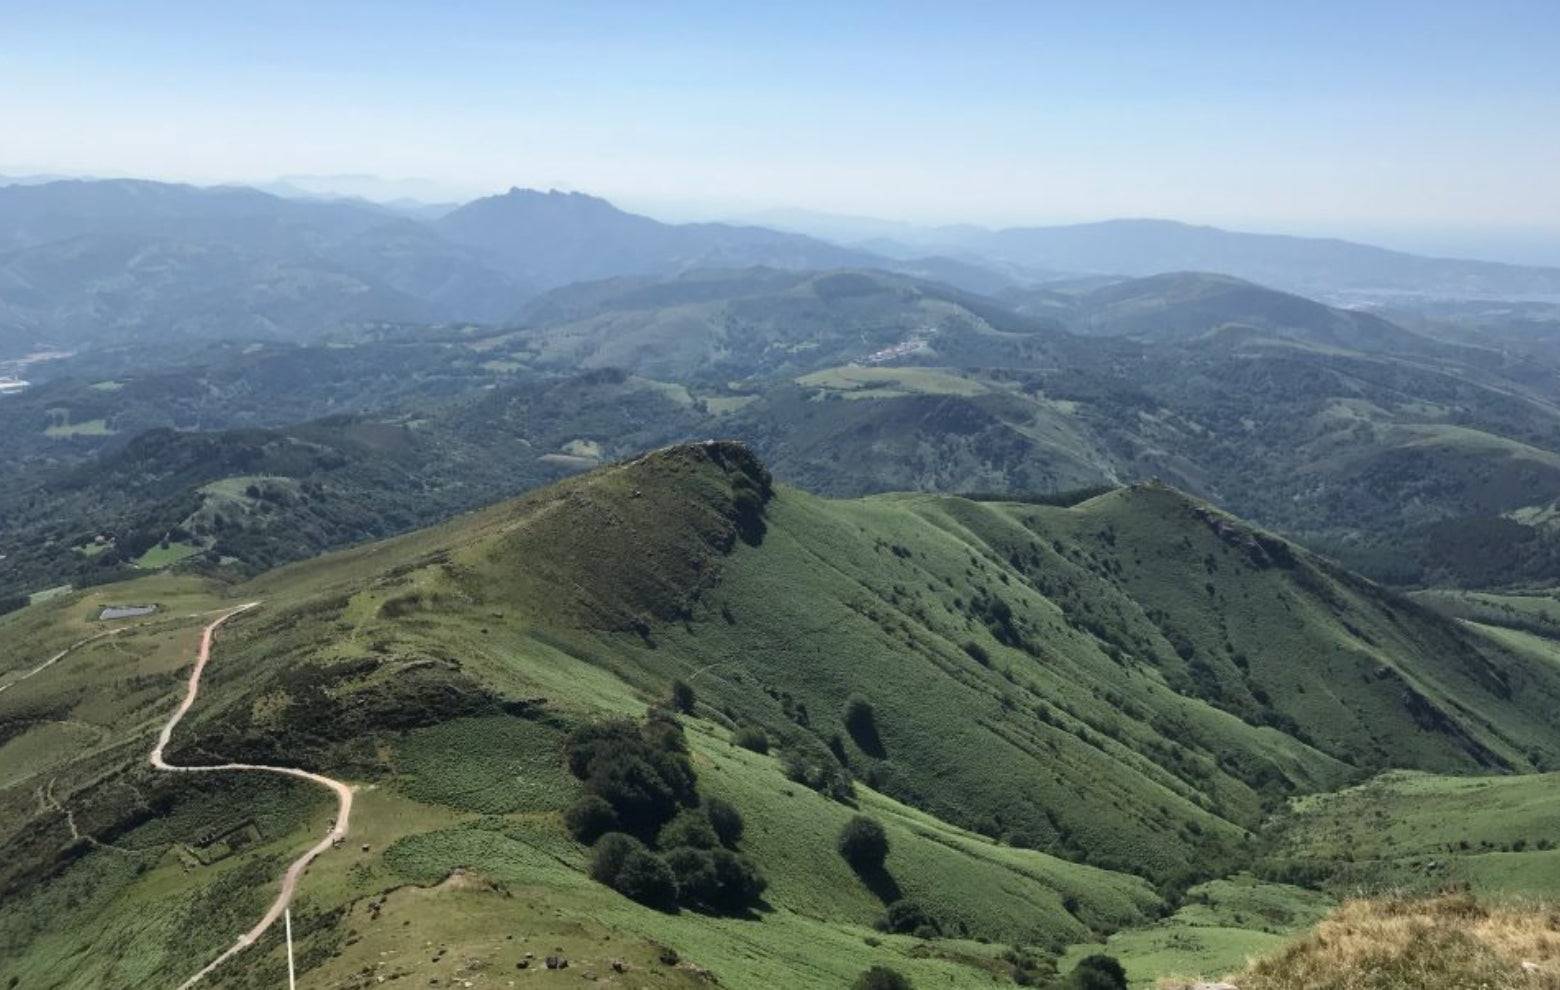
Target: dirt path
x,y
290,879
61,656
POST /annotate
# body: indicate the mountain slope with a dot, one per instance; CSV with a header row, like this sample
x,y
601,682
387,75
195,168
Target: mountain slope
x,y
757,323
1183,306
1142,678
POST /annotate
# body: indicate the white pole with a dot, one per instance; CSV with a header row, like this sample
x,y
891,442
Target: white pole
x,y
292,979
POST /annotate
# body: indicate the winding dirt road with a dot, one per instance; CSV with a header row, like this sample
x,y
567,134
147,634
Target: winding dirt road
x,y
290,879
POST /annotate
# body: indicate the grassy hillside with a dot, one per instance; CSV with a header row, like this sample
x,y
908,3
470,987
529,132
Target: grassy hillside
x,y
1122,668
1429,832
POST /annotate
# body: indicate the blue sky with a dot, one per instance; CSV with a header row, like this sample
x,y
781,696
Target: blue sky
x,y
1324,117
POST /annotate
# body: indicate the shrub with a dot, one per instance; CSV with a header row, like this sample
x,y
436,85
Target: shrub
x,y
906,916
1096,972
646,878
813,766
725,819
637,791
740,883
663,733
695,871
717,880
643,772
598,739
881,978
753,738
609,854
589,818
863,843
683,696
978,653
690,829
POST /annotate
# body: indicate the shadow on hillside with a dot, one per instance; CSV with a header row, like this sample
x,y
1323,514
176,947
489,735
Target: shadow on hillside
x,y
882,883
864,733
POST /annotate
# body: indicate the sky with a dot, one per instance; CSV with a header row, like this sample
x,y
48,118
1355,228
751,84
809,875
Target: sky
x,y
1383,120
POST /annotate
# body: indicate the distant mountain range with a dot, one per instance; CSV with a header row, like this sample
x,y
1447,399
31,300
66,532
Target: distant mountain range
x,y
85,262
551,239
1308,265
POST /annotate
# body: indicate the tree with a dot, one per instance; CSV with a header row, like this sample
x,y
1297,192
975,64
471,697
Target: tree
x,y
608,855
751,737
881,978
683,696
863,843
1096,972
716,880
636,790
692,829
697,884
646,878
905,917
589,818
725,819
739,882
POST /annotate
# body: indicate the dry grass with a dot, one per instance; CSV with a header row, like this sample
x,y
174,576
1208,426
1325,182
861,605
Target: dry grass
x,y
1448,942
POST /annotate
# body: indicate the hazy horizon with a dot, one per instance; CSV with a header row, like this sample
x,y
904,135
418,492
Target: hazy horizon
x,y
1390,123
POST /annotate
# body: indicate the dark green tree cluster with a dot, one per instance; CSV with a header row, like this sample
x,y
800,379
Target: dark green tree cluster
x,y
641,772
908,917
863,843
808,762
1096,972
654,840
881,978
752,737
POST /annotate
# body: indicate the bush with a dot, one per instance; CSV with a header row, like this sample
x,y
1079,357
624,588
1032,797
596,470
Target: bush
x,y
646,878
609,854
753,738
1097,972
740,882
589,818
863,843
683,696
717,880
643,772
811,765
978,653
690,829
637,791
695,871
599,740
881,978
726,820
905,917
